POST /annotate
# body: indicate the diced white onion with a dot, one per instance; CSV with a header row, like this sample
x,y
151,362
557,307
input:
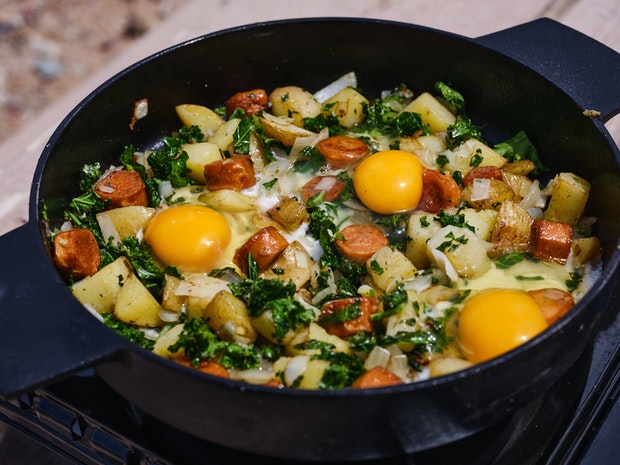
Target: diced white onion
x,y
399,366
295,368
150,333
348,80
445,264
201,286
255,376
169,316
326,183
480,189
141,108
165,189
106,189
378,357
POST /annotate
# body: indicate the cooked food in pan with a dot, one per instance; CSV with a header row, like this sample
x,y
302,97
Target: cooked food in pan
x,y
329,240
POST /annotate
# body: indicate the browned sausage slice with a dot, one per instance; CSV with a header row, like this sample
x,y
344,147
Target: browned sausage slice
x,y
342,151
439,191
76,253
236,173
377,377
481,172
367,305
551,240
554,303
360,241
331,185
123,188
251,101
265,246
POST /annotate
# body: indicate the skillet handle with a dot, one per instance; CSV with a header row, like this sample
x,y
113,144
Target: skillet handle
x,y
584,68
45,334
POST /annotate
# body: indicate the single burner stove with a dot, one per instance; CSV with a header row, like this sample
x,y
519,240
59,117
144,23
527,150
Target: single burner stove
x,y
82,421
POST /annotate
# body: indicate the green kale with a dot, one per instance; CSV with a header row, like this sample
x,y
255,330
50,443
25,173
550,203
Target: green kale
x,y
363,341
342,371
572,284
452,96
242,136
461,130
347,313
199,342
393,302
458,220
510,259
518,148
127,331
288,315
311,160
89,175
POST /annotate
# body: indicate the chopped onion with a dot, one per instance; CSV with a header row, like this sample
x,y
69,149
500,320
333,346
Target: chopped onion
x,y
150,333
326,183
255,376
295,368
169,316
378,357
165,189
106,189
199,285
445,264
348,80
480,189
399,366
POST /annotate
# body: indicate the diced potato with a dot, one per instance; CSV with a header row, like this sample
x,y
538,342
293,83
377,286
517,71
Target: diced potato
x,y
223,137
519,184
123,222
311,377
426,148
521,167
265,326
289,213
166,339
347,106
199,289
225,314
197,115
170,299
388,266
446,365
482,221
282,130
228,200
420,228
511,232
569,195
294,102
136,305
584,250
459,250
99,291
461,157
293,264
316,332
497,193
433,113
199,155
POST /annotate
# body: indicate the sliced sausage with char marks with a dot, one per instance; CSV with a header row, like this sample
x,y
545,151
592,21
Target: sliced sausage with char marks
x,y
342,151
235,173
553,303
551,240
367,306
359,242
264,246
439,191
377,377
331,185
76,253
251,101
123,188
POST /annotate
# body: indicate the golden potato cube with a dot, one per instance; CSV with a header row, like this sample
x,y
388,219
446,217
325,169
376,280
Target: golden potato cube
x,y
289,213
226,313
584,250
347,106
497,193
99,291
170,300
282,130
433,113
420,228
465,252
388,266
293,264
569,195
482,221
511,232
294,102
446,365
426,148
136,305
166,339
197,115
199,155
223,136
315,332
122,222
228,200
311,377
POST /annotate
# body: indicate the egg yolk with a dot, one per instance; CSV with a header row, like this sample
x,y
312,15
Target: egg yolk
x,y
496,321
189,237
389,182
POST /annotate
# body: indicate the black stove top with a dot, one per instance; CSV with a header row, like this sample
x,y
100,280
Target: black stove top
x,y
82,421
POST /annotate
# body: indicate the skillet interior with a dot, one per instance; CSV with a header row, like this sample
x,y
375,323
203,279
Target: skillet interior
x,y
501,95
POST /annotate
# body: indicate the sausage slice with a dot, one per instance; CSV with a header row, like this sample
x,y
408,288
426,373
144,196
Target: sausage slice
x,y
76,253
265,246
360,241
367,305
439,191
551,240
123,188
342,151
236,173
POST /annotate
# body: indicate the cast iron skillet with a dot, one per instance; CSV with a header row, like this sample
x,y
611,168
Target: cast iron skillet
x,y
539,77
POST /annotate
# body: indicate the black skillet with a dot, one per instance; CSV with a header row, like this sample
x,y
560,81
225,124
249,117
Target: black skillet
x,y
538,77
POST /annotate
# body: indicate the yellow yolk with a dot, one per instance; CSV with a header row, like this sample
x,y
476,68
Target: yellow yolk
x,y
190,237
389,182
496,321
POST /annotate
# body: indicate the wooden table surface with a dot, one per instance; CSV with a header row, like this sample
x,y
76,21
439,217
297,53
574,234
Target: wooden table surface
x,y
599,19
